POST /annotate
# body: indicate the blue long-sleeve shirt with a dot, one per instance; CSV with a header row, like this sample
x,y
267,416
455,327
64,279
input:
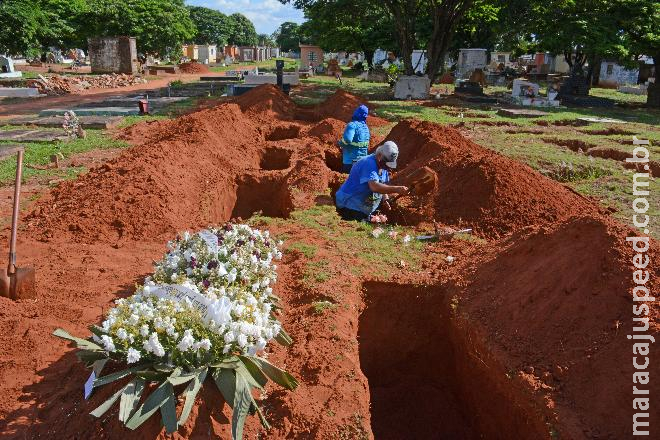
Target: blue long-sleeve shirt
x,y
355,142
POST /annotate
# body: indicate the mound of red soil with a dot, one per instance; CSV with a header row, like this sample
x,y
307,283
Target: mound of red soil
x,y
329,130
477,187
267,101
193,67
189,173
342,104
558,302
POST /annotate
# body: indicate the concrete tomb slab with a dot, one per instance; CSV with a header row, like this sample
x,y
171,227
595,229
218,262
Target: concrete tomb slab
x,y
521,113
19,92
97,122
93,111
31,135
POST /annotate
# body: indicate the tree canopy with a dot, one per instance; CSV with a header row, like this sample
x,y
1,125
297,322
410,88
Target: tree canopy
x,y
213,27
335,26
243,32
160,26
287,36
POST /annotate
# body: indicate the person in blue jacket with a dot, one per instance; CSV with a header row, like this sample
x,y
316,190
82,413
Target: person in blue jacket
x,y
355,141
367,184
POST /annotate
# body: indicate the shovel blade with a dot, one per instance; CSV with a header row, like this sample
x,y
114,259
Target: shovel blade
x,y
19,285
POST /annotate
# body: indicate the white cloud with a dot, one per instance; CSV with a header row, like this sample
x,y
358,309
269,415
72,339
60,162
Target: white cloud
x,y
267,15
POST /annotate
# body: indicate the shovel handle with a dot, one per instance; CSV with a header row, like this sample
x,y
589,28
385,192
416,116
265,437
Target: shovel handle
x,y
11,268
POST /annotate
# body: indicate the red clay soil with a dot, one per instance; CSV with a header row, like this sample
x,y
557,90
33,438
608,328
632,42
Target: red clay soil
x,y
193,67
556,303
479,188
522,338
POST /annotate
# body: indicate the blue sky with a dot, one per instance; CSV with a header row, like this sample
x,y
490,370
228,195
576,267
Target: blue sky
x,y
267,15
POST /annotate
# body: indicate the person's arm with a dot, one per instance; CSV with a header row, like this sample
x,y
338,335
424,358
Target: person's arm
x,y
349,134
382,188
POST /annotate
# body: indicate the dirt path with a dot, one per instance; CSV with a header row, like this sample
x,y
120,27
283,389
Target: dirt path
x,y
92,95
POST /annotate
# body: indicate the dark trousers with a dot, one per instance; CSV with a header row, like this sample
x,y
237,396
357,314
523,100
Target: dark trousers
x,y
352,215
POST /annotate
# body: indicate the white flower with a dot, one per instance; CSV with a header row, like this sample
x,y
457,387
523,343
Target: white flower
x,y
407,239
134,319
186,342
133,356
108,344
144,331
204,344
242,340
122,334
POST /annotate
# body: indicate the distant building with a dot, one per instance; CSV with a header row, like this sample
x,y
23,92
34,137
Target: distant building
x,y
497,58
310,56
208,53
203,53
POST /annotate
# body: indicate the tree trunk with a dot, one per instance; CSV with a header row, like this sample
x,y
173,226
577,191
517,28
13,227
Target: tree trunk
x,y
369,57
404,13
653,93
594,69
446,15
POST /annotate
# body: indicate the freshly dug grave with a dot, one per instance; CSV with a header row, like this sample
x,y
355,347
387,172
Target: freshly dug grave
x,y
507,313
555,303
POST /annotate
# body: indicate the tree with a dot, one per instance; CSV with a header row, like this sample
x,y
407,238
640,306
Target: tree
x,y
334,25
287,36
243,32
22,22
266,40
639,22
582,30
33,26
213,27
159,26
434,20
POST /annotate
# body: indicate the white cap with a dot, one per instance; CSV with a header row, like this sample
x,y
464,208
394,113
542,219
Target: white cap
x,y
390,151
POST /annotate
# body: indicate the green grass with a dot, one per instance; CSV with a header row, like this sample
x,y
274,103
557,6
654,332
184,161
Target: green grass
x,y
308,250
39,154
320,307
374,256
289,64
614,94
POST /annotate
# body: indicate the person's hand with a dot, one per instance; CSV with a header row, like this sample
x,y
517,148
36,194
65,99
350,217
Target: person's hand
x,y
401,189
387,205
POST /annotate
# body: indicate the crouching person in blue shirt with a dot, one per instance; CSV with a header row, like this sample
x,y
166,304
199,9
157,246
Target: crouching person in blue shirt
x,y
367,184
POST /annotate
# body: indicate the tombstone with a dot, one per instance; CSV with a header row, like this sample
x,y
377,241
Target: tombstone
x,y
524,88
470,59
7,69
412,87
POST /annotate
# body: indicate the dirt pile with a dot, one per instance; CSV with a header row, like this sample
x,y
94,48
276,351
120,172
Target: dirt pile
x,y
342,104
479,188
266,102
330,130
65,84
557,301
193,67
203,168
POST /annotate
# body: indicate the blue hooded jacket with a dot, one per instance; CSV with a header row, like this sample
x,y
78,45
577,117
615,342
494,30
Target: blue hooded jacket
x,y
355,141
